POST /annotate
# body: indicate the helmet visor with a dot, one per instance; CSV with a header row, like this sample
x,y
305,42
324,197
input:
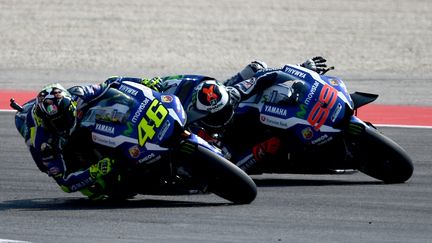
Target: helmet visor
x,y
63,122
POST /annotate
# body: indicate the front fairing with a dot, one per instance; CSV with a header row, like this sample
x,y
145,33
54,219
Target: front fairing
x,y
318,113
134,120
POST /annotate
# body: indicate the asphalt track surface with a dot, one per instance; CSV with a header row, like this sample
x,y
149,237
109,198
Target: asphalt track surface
x,y
377,46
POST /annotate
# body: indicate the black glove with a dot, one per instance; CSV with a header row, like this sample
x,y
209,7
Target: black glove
x,y
317,64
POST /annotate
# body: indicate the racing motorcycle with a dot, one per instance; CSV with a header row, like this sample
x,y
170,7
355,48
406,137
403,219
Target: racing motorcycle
x,y
144,131
314,116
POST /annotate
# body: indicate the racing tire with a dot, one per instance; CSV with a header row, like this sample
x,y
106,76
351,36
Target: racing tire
x,y
380,157
225,179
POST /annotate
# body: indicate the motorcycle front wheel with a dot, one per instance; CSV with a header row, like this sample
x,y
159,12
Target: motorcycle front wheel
x,y
380,157
224,178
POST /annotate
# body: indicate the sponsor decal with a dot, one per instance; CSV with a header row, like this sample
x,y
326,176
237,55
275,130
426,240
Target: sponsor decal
x,y
105,128
163,129
147,158
111,141
302,112
295,72
311,93
166,98
134,151
265,98
274,121
322,140
81,184
247,84
275,111
307,133
100,139
151,158
139,110
129,130
336,112
334,82
128,90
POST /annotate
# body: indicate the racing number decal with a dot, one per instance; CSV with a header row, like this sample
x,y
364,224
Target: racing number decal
x,y
319,113
156,114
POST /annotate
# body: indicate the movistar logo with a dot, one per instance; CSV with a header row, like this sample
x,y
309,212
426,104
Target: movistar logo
x,y
139,110
302,112
311,93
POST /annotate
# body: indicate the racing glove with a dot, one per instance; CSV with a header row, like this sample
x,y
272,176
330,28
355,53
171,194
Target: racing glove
x,y
317,64
102,168
154,83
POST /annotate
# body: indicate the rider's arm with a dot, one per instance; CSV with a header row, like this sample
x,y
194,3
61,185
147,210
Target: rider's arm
x,y
317,64
246,73
249,87
49,160
88,93
71,182
153,83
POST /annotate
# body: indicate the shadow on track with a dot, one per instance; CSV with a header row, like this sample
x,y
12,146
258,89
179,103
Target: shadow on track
x,y
50,204
272,182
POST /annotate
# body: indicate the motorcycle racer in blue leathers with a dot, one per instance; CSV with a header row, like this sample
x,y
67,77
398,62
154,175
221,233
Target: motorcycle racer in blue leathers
x,y
210,107
210,104
48,126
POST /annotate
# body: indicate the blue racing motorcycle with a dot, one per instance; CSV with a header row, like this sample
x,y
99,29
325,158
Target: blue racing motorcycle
x,y
145,132
315,119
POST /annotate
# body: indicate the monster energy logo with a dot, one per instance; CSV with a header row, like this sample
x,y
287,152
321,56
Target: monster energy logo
x,y
355,129
188,148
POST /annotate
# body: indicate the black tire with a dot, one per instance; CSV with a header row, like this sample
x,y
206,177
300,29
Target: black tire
x,y
380,157
224,178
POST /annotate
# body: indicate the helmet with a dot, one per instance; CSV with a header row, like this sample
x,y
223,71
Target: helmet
x,y
56,108
299,90
212,99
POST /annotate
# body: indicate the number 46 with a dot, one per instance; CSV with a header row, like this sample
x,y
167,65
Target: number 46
x,y
156,114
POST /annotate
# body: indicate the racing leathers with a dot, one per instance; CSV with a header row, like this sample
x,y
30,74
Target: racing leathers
x,y
264,144
254,78
48,148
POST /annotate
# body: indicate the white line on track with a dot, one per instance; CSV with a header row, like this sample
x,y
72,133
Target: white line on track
x,y
12,241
